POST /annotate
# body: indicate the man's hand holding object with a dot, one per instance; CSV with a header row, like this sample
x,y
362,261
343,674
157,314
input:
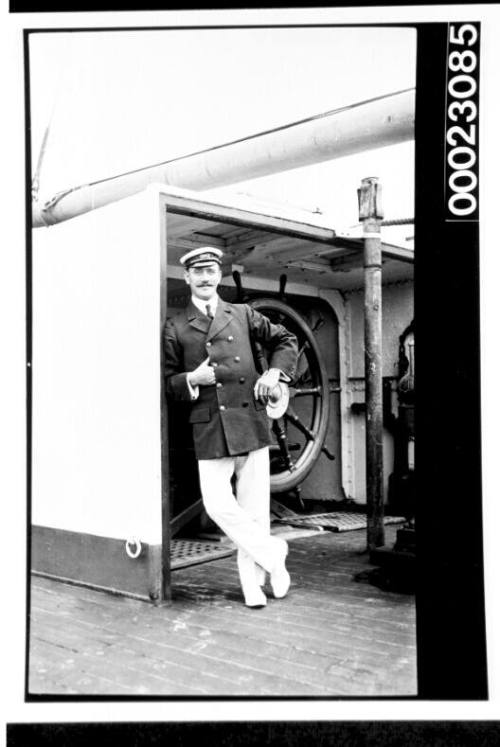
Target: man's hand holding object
x,y
204,375
265,384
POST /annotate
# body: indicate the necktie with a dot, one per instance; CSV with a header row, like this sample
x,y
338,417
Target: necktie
x,y
209,311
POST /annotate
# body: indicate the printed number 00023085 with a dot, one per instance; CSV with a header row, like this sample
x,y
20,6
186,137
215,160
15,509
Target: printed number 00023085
x,y
462,109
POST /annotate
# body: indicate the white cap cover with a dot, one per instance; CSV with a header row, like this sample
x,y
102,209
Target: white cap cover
x,y
278,401
201,256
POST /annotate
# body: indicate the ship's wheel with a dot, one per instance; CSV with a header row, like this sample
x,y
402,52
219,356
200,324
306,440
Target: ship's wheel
x,y
300,434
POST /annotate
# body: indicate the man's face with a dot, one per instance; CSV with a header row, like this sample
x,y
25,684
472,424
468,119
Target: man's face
x,y
203,281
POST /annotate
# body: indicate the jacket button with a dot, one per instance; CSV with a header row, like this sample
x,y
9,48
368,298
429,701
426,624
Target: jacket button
x,y
213,364
219,385
222,407
242,380
208,344
230,338
244,404
237,358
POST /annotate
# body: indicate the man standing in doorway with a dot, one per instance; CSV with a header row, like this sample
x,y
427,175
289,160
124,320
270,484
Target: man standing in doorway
x,y
209,363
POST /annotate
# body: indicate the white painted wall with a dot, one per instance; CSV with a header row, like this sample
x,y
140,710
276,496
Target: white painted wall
x,y
397,313
96,372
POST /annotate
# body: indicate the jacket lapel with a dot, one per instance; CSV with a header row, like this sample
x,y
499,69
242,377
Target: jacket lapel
x,y
221,319
196,318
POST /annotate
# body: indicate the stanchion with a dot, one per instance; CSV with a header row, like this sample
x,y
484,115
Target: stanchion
x,y
370,215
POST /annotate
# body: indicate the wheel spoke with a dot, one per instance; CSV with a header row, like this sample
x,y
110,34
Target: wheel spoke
x,y
304,391
275,448
280,434
292,416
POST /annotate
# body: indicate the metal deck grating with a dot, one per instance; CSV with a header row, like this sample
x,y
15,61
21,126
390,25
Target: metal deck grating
x,y
186,552
335,521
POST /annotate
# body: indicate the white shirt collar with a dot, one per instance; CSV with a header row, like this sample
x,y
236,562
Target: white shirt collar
x,y
202,305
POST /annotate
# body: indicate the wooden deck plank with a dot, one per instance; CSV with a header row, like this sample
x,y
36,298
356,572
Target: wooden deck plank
x,y
331,636
230,666
281,627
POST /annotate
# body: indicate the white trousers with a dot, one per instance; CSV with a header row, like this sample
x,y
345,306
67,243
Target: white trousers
x,y
244,517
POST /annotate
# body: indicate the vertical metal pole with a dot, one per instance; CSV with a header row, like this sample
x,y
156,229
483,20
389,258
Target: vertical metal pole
x,y
370,214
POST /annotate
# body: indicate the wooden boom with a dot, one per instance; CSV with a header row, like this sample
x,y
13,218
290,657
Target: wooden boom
x,y
376,123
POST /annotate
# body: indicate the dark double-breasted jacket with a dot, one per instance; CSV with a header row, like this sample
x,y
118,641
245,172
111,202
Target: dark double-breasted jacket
x,y
227,419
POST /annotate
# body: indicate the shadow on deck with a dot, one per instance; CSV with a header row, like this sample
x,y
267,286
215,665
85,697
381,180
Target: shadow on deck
x,y
332,636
